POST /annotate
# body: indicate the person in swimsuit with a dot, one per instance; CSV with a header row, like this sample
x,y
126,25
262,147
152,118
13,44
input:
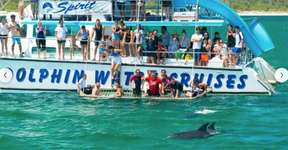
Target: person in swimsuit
x,y
15,30
96,90
137,79
119,90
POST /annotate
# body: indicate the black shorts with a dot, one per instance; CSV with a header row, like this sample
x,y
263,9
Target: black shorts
x,y
121,5
3,36
61,41
97,42
41,44
84,42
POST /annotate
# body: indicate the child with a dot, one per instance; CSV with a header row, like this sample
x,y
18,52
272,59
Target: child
x,y
96,90
119,90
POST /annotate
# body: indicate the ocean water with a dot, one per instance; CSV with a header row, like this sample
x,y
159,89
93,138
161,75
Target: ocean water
x,y
65,121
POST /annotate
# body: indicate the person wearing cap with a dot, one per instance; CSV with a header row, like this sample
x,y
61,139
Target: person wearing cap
x,y
176,88
137,78
15,30
155,85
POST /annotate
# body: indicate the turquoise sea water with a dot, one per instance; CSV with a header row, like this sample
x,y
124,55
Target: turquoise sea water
x,y
65,121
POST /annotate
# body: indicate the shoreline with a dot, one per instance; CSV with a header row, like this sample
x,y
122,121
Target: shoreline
x,y
263,13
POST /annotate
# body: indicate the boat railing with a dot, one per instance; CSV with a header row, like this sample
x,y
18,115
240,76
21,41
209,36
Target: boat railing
x,y
128,50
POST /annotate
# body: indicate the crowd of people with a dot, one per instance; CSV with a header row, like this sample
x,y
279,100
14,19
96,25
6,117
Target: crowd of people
x,y
157,47
15,30
126,41
152,85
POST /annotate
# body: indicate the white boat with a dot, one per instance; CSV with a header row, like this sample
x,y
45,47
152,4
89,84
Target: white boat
x,y
30,74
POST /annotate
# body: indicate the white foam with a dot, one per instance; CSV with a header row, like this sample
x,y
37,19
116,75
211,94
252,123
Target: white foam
x,y
205,111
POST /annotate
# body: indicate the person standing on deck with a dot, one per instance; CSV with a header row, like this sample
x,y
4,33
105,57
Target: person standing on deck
x,y
139,37
41,39
137,78
116,35
165,36
84,39
166,6
15,30
197,39
4,31
230,42
121,8
238,46
61,32
133,10
184,40
98,34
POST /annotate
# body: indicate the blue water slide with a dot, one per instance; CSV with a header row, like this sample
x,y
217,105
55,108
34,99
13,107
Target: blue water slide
x,y
255,35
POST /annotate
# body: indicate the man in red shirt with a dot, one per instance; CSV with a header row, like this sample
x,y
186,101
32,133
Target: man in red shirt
x,y
155,84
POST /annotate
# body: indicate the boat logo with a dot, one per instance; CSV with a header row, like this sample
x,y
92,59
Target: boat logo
x,y
6,75
47,6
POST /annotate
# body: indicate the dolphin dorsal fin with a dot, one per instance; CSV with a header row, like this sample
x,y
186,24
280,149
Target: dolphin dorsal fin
x,y
212,126
203,127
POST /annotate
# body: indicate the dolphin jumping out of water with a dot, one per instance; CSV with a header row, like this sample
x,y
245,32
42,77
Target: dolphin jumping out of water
x,y
206,130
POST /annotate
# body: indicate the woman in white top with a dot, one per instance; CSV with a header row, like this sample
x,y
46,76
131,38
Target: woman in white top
x,y
4,30
61,32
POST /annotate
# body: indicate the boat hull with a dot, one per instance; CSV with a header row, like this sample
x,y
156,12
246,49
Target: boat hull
x,y
52,75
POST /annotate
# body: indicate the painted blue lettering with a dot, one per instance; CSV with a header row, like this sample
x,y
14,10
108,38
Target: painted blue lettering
x,y
77,76
230,81
21,74
70,8
209,79
200,77
31,75
101,76
92,5
174,75
128,77
86,6
56,75
242,84
185,78
43,74
82,6
62,6
219,81
66,79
